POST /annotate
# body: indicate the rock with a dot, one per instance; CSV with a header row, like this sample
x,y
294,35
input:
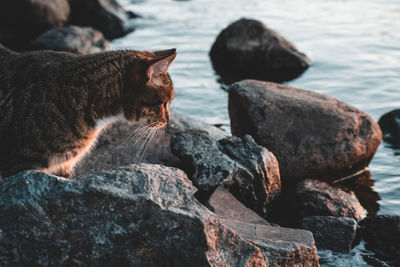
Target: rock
x,y
106,16
390,125
81,40
382,234
120,146
248,49
225,205
143,215
312,135
23,20
280,246
333,233
250,171
317,198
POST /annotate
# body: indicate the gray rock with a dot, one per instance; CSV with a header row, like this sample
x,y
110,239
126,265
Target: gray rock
x,y
312,135
333,233
248,49
22,20
81,40
121,145
249,171
106,16
317,198
390,125
226,206
382,234
280,246
143,215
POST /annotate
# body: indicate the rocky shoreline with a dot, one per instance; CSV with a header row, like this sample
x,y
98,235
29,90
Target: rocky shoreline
x,y
203,197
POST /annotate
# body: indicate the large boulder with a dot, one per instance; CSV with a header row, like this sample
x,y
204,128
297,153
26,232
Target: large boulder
x,y
312,135
23,20
382,234
333,233
390,125
317,198
250,171
80,40
122,144
142,215
106,16
139,215
248,49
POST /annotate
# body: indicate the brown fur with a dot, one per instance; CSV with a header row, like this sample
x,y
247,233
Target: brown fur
x,y
51,102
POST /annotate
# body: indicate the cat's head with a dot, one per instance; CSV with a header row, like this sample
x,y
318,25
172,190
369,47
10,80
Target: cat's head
x,y
149,89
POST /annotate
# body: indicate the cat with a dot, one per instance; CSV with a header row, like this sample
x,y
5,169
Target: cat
x,y
54,105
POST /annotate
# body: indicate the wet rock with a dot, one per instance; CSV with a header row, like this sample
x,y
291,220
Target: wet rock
x,y
317,198
390,125
312,135
250,171
382,234
121,145
248,49
225,205
81,40
333,233
280,246
106,16
143,215
23,20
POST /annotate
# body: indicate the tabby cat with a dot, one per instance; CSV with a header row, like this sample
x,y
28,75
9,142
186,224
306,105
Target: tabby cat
x,y
53,105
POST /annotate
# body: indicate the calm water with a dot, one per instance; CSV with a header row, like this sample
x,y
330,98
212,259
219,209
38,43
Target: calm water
x,y
354,45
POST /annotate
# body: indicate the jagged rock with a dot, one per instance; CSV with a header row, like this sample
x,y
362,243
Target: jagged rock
x,y
250,171
334,233
23,20
280,246
106,16
143,215
225,205
120,145
317,198
81,40
312,135
390,125
248,49
382,234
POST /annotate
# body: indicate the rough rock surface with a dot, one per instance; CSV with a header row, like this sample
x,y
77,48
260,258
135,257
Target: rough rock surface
x,y
317,198
248,49
23,20
225,205
120,145
280,246
390,125
81,40
250,171
312,135
334,233
382,234
106,16
142,215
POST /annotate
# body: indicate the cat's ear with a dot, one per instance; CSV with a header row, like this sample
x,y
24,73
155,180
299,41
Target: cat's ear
x,y
160,63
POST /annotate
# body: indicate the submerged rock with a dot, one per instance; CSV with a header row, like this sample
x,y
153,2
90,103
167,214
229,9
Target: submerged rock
x,y
142,215
317,198
312,135
106,16
248,49
121,145
250,171
81,40
382,234
23,20
390,125
333,233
